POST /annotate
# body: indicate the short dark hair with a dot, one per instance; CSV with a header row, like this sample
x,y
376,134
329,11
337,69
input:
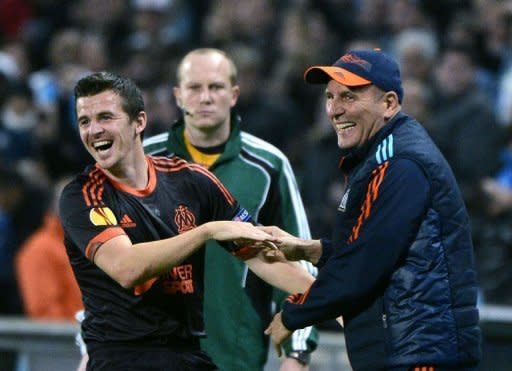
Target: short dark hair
x,y
98,82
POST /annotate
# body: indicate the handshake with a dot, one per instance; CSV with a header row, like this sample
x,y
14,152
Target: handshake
x,y
290,247
281,247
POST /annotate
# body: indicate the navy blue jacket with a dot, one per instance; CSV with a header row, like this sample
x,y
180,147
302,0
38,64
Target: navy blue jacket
x,y
399,266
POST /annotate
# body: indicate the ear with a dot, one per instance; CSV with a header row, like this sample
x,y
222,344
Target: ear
x,y
177,94
235,92
141,122
392,104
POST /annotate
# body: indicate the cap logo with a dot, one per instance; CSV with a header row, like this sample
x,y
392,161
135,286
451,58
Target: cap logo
x,y
340,74
354,59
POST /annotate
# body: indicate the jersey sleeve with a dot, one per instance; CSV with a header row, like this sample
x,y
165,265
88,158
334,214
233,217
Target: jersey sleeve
x,y
86,224
358,267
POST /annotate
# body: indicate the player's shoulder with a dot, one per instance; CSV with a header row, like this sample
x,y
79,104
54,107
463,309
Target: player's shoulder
x,y
169,163
174,164
86,188
91,174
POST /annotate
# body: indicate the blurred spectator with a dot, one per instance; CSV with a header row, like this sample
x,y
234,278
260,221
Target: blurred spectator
x,y
320,170
11,193
161,24
493,238
464,31
161,108
402,15
504,100
62,151
14,14
47,285
269,117
94,53
463,123
417,101
303,37
112,19
18,121
253,22
416,51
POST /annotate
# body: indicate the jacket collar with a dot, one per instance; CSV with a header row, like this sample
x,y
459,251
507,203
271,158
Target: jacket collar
x,y
176,143
353,156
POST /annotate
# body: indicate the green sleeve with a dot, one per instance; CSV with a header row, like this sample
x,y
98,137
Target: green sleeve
x,y
294,221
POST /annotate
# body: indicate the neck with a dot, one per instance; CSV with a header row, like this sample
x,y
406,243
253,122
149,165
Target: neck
x,y
133,172
208,138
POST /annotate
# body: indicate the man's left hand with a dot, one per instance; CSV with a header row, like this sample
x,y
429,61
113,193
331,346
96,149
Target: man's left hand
x,y
278,333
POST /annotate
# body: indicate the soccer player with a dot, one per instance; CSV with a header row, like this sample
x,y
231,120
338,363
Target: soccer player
x,y
134,227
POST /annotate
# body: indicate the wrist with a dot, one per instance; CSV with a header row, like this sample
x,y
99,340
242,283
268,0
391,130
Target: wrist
x,y
313,250
206,231
301,356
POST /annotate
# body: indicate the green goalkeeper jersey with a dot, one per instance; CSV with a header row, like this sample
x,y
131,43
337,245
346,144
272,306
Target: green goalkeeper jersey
x,y
238,305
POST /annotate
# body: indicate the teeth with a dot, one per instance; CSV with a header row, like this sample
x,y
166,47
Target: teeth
x,y
345,125
101,143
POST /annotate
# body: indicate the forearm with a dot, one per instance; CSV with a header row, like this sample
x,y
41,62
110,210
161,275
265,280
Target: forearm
x,y
131,265
290,277
161,255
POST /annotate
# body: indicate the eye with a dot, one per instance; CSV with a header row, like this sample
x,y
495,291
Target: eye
x,y
194,87
347,97
106,117
83,122
216,87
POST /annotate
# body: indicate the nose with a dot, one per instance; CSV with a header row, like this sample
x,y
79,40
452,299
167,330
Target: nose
x,y
95,128
333,110
205,95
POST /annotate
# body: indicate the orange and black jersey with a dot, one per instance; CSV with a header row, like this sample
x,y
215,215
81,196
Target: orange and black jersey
x,y
95,208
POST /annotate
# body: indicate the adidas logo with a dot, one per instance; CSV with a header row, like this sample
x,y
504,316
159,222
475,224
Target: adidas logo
x,y
127,222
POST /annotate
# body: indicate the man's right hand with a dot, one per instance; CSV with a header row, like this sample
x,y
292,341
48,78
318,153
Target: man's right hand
x,y
292,247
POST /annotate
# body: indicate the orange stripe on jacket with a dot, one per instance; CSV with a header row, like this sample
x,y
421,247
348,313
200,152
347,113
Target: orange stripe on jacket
x,y
371,195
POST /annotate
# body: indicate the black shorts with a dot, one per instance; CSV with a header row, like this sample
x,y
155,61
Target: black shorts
x,y
148,358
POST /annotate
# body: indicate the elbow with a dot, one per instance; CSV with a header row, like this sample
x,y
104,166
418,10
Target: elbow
x,y
127,275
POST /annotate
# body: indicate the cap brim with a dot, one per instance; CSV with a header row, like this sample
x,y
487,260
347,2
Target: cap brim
x,y
323,74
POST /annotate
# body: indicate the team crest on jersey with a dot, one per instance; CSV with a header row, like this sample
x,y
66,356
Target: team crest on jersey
x,y
102,216
184,219
343,204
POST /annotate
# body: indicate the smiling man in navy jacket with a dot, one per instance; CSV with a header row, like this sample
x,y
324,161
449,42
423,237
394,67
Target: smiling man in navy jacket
x,y
399,266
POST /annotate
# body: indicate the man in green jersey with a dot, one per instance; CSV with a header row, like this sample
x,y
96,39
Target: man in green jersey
x,y
261,178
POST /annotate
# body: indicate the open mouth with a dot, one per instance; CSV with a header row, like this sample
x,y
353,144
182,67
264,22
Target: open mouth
x,y
102,145
345,126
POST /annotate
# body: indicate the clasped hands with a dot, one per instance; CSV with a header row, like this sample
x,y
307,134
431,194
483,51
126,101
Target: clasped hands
x,y
281,247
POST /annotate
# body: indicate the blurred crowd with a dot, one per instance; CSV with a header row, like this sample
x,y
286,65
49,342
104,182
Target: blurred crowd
x,y
455,55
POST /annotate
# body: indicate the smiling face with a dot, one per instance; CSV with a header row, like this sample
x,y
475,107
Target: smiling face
x,y
357,114
206,92
107,132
